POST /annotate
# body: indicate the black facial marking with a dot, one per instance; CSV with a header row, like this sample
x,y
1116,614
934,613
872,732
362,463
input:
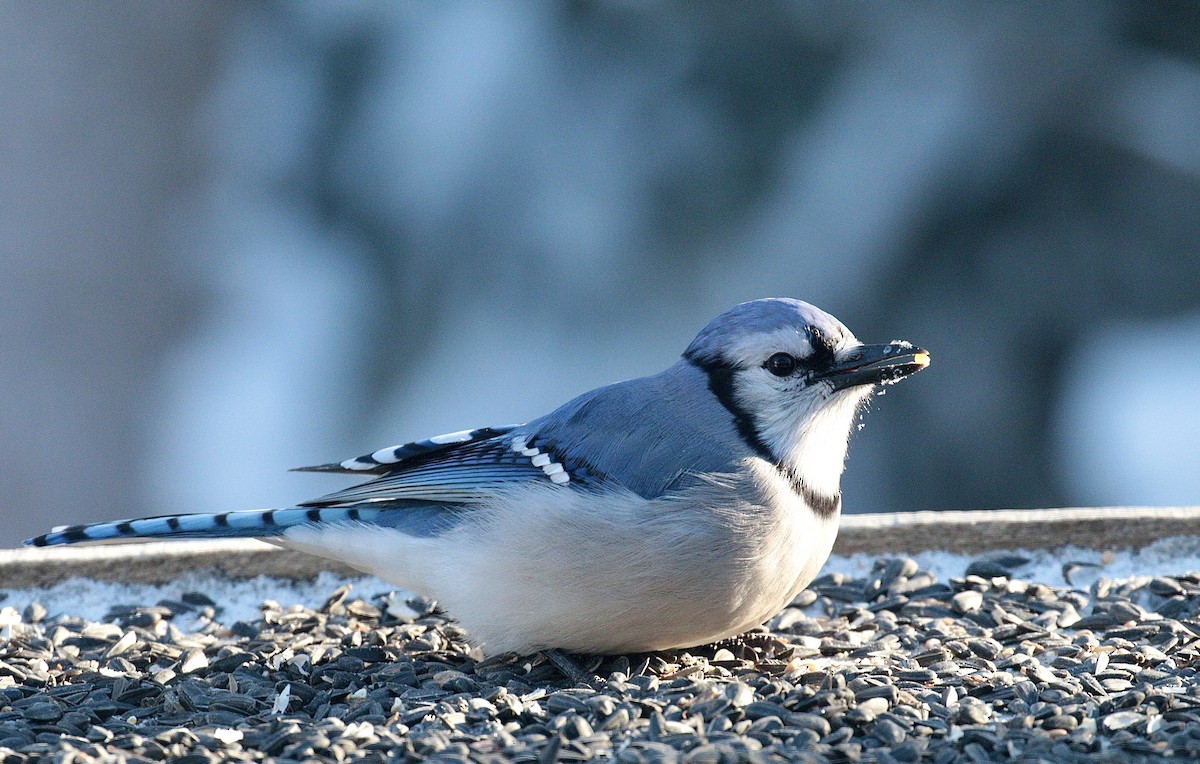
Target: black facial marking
x,y
720,382
822,350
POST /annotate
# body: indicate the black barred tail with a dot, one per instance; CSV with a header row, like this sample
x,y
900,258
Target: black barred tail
x,y
252,523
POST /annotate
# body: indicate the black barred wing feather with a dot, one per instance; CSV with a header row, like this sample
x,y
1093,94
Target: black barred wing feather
x,y
389,459
465,472
417,488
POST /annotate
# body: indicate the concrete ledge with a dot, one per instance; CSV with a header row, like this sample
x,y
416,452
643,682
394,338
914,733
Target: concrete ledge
x,y
976,531
967,532
156,562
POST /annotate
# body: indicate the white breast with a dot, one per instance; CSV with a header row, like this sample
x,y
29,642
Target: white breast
x,y
552,567
798,544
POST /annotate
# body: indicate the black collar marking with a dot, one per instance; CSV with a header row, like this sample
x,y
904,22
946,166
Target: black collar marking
x,y
823,505
720,382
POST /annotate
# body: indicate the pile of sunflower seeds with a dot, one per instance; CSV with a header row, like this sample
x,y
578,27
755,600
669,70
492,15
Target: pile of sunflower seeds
x,y
891,667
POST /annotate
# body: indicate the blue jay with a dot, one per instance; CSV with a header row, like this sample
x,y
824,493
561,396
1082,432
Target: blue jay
x,y
662,512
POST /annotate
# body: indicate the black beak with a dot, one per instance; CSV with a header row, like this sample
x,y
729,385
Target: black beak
x,y
875,364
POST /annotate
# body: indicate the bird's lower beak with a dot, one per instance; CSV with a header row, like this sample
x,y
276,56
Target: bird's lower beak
x,y
876,364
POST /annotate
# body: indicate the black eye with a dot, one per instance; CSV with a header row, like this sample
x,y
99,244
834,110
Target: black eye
x,y
780,364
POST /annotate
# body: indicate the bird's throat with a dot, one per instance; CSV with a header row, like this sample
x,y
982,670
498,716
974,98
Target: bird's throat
x,y
810,448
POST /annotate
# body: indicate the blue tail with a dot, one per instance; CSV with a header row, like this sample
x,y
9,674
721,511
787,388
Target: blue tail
x,y
251,523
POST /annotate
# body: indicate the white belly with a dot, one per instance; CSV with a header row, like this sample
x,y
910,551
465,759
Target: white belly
x,y
549,567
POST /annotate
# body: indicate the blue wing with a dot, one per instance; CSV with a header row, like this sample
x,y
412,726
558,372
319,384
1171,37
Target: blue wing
x,y
388,459
421,488
462,472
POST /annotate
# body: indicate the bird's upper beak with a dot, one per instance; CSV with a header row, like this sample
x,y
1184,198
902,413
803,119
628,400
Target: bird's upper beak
x,y
875,364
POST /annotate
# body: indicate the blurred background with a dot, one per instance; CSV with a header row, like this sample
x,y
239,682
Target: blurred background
x,y
239,238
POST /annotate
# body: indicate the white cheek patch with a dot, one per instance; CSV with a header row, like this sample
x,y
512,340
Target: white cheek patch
x,y
805,427
554,470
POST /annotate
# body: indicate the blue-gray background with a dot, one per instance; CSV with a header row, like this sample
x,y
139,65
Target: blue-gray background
x,y
237,238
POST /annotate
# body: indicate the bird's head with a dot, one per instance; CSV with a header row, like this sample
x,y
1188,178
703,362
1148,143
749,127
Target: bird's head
x,y
794,377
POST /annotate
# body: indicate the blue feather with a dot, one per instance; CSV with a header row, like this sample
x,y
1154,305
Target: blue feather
x,y
257,523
